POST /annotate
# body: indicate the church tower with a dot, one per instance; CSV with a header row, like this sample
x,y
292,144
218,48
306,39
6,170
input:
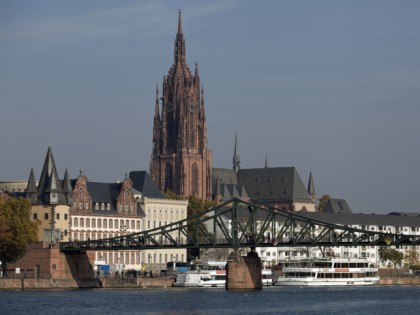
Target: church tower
x,y
180,159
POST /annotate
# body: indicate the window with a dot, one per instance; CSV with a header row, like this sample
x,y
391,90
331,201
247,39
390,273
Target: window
x,y
87,222
58,216
35,216
110,223
82,222
104,223
96,206
99,223
108,206
65,216
93,223
76,222
45,216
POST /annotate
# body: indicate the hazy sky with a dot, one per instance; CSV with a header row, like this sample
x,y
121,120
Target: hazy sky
x,y
328,86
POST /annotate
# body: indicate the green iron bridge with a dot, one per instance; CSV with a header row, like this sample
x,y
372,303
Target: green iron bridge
x,y
239,224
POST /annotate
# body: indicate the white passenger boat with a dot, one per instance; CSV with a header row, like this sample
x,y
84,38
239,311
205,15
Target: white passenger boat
x,y
212,274
328,272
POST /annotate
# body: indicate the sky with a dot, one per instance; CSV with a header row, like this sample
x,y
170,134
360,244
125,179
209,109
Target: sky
x,y
329,87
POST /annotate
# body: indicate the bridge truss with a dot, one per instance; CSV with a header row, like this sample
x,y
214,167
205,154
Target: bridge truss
x,y
244,224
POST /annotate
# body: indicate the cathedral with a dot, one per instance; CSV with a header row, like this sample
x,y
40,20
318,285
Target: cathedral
x,y
181,161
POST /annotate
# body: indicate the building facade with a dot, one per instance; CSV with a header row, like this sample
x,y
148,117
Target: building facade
x,y
82,210
181,161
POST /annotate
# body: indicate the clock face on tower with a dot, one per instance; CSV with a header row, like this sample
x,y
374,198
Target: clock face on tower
x,y
191,108
170,107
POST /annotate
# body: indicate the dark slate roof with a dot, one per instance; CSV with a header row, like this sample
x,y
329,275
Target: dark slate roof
x,y
265,184
277,183
144,183
104,193
337,206
364,219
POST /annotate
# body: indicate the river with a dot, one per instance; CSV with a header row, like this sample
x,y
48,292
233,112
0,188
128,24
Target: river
x,y
273,300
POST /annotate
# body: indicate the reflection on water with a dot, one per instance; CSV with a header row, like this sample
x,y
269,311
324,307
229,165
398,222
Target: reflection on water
x,y
274,300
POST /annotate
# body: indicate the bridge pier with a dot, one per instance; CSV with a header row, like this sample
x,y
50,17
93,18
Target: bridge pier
x,y
244,272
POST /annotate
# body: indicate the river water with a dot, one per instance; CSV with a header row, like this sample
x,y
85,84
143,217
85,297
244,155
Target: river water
x,y
273,300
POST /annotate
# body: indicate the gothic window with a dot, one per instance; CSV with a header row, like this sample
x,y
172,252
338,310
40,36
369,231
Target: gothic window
x,y
194,180
168,177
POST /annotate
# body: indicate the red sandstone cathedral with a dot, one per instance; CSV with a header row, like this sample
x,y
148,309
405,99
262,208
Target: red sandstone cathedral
x,y
181,161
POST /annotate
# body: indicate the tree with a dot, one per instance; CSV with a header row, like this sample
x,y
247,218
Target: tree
x,y
16,229
391,254
322,202
411,257
197,206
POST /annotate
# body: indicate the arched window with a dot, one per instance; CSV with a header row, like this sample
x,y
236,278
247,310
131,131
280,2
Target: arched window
x,y
194,180
168,177
96,206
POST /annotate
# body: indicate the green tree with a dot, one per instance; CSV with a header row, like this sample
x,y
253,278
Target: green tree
x,y
16,229
391,254
322,202
196,206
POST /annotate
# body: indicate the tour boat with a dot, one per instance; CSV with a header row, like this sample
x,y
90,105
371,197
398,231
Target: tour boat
x,y
213,275
328,272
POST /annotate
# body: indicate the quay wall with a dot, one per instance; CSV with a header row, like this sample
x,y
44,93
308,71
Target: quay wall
x,y
38,284
30,284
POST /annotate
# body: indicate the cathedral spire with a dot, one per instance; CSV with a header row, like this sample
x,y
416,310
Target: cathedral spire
x,y
179,22
179,52
236,161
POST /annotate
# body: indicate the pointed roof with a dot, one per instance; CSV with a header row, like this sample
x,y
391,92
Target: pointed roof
x,y
67,189
31,188
236,161
49,181
311,187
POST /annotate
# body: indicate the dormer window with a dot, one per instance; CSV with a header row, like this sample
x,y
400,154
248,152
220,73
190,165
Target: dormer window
x,y
108,206
96,206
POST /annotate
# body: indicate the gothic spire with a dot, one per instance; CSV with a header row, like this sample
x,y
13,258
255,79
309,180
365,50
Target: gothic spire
x,y
311,187
179,22
236,161
179,52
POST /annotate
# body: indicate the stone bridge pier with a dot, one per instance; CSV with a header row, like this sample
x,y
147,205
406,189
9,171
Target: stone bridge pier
x,y
243,272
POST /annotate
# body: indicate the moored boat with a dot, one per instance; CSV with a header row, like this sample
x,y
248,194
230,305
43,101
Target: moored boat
x,y
328,272
212,274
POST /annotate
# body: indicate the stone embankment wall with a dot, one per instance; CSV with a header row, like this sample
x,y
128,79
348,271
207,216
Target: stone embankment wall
x,y
28,284
400,281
